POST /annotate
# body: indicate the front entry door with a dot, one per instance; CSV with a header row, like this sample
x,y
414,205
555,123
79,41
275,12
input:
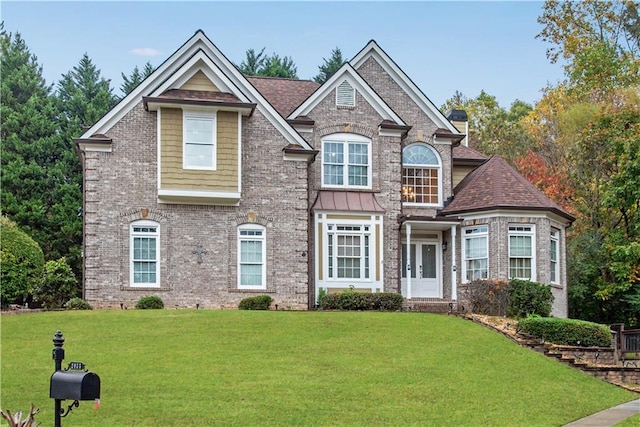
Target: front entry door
x,y
425,279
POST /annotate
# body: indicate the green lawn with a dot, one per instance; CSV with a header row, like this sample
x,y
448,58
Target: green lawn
x,y
187,367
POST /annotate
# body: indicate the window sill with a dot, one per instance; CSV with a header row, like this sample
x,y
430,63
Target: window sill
x,y
145,288
251,291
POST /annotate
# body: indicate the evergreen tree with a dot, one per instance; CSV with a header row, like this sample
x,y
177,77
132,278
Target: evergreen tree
x,y
136,77
253,63
40,171
259,64
330,66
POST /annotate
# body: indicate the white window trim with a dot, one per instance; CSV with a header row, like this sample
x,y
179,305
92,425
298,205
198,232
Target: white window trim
x,y
333,276
440,176
263,240
471,235
132,235
201,115
531,233
554,237
345,139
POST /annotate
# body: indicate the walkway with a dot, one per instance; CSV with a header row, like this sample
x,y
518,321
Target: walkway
x,y
609,417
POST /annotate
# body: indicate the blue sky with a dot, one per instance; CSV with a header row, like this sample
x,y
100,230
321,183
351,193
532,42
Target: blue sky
x,y
442,46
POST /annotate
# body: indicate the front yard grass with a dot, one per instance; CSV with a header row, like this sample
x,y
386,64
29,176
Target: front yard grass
x,y
206,367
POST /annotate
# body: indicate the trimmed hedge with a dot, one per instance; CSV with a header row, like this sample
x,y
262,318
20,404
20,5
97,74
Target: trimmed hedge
x,y
352,300
77,304
259,302
150,302
567,331
515,298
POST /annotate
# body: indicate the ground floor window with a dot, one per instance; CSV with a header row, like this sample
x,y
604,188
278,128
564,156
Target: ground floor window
x,y
521,252
251,257
348,251
553,256
144,253
476,253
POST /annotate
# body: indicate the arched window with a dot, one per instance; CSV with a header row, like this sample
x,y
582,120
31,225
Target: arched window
x,y
145,253
421,175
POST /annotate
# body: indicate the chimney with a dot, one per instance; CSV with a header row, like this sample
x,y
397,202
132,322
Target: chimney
x,y
459,119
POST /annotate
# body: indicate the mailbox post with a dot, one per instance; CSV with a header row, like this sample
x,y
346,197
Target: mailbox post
x,y
74,383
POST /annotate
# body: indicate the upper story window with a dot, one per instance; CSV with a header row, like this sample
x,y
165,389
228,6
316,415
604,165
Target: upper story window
x,y
421,175
522,262
553,256
476,253
199,140
345,95
252,257
144,253
346,161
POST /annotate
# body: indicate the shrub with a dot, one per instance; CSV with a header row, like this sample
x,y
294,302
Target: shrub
x,y
353,300
526,297
22,263
57,285
259,302
489,297
150,302
78,304
567,331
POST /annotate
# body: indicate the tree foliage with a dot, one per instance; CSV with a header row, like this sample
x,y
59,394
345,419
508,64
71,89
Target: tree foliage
x,y
57,284
259,64
22,262
130,82
330,66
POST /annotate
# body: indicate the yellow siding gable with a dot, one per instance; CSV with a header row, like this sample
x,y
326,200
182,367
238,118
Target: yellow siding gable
x,y
200,82
174,177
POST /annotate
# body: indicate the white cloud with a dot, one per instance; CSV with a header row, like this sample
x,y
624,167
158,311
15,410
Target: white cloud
x,y
145,51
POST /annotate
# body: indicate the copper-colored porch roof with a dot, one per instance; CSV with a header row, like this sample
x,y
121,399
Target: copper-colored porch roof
x,y
497,185
346,201
285,95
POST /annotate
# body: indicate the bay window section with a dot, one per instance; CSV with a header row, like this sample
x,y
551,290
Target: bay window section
x,y
521,252
553,256
476,253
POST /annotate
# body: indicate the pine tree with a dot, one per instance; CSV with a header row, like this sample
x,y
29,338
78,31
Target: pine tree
x,y
259,64
40,171
330,66
136,77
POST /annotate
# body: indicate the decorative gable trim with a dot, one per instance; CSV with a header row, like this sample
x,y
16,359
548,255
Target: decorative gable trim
x,y
197,54
348,74
345,95
372,50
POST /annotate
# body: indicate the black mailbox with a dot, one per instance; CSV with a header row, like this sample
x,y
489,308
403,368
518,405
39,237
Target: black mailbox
x,y
70,385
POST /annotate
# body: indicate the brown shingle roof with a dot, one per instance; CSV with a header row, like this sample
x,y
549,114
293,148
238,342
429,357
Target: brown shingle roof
x,y
283,94
462,153
199,95
497,185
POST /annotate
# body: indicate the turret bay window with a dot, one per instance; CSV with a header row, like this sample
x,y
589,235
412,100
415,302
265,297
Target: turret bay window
x,y
476,253
421,175
251,257
144,253
553,256
346,161
521,252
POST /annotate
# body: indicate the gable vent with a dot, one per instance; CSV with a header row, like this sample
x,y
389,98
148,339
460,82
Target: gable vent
x,y
345,95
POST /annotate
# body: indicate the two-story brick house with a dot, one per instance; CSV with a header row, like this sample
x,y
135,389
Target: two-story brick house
x,y
204,186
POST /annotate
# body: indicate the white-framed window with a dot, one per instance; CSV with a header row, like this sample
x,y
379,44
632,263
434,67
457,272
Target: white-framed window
x,y
476,253
554,266
421,175
144,253
522,263
346,161
345,95
349,251
252,256
199,140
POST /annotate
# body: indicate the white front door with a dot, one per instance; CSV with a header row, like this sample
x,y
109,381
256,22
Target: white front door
x,y
425,269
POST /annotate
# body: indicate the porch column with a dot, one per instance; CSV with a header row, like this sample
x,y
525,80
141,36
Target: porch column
x,y
408,258
454,282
